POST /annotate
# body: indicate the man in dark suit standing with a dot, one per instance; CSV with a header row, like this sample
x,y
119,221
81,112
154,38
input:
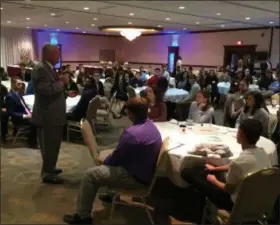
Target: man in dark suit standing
x,y
3,113
49,111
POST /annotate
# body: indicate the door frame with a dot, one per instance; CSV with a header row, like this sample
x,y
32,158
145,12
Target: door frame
x,y
250,49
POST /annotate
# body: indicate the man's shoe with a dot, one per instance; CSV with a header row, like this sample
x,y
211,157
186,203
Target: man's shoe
x,y
57,171
52,179
76,219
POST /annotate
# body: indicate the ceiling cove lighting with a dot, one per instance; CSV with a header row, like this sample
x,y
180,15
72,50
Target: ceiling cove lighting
x,y
131,14
247,18
77,28
9,21
218,14
86,8
129,32
28,27
27,18
52,14
181,7
197,22
67,22
95,19
271,22
129,23
92,25
167,18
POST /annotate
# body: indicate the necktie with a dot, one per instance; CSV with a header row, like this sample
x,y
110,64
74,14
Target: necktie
x,y
24,105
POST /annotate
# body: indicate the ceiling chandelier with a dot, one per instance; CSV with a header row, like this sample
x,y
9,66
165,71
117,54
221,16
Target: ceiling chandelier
x,y
130,32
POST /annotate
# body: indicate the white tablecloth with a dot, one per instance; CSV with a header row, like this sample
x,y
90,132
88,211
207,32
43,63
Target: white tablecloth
x,y
70,102
171,95
178,157
273,110
7,84
223,87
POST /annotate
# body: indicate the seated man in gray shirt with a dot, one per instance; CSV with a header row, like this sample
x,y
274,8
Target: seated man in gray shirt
x,y
251,159
131,165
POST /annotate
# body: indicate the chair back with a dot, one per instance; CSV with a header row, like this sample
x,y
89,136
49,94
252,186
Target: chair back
x,y
112,100
272,124
131,92
108,84
93,105
89,139
160,162
257,196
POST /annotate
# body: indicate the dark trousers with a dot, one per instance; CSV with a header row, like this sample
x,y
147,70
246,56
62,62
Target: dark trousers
x,y
197,178
4,125
32,131
49,140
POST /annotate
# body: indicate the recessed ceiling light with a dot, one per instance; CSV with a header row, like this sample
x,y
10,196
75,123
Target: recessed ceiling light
x,y
67,22
52,14
218,14
184,28
159,25
86,8
57,29
28,27
167,18
247,18
94,18
2,8
271,22
27,18
84,32
222,25
197,23
131,14
77,28
129,22
45,25
92,25
9,21
181,7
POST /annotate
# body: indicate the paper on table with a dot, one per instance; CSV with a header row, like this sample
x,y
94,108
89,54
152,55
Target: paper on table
x,y
172,143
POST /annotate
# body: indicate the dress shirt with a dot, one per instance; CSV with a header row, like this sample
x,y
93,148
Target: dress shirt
x,y
275,87
138,151
143,76
166,75
249,161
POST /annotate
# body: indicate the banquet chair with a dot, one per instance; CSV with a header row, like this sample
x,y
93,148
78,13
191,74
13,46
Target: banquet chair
x,y
257,195
108,84
105,113
91,143
272,124
131,92
144,192
21,131
90,115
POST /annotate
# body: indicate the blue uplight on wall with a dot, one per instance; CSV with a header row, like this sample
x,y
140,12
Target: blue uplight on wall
x,y
53,38
175,39
171,61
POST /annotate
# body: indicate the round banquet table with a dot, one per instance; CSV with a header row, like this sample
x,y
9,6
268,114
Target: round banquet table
x,y
223,87
171,95
181,143
70,102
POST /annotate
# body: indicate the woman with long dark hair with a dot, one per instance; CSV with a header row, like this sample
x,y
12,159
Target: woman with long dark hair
x,y
255,108
201,110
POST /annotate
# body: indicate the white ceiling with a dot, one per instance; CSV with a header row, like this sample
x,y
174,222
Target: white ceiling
x,y
196,16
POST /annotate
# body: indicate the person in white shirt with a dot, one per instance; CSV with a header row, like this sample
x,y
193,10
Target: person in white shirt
x,y
179,61
77,72
252,159
165,73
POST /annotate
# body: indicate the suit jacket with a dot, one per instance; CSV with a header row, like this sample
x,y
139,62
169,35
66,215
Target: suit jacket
x,y
15,107
80,109
121,91
50,105
3,95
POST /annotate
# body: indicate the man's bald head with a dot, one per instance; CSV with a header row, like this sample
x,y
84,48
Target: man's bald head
x,y
50,53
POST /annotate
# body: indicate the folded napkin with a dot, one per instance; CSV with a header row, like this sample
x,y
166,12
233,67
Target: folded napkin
x,y
212,150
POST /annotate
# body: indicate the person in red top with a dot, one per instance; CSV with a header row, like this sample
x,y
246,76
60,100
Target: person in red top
x,y
152,82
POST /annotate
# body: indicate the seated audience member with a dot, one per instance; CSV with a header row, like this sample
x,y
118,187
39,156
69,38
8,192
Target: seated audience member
x,y
135,81
201,111
234,87
248,76
69,71
19,111
238,77
3,74
24,74
79,70
88,94
165,73
265,80
131,165
152,82
183,106
225,76
29,89
120,85
104,103
275,86
201,77
179,62
212,81
162,85
3,112
224,193
231,111
81,78
255,108
143,75
71,89
178,74
129,73
157,108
